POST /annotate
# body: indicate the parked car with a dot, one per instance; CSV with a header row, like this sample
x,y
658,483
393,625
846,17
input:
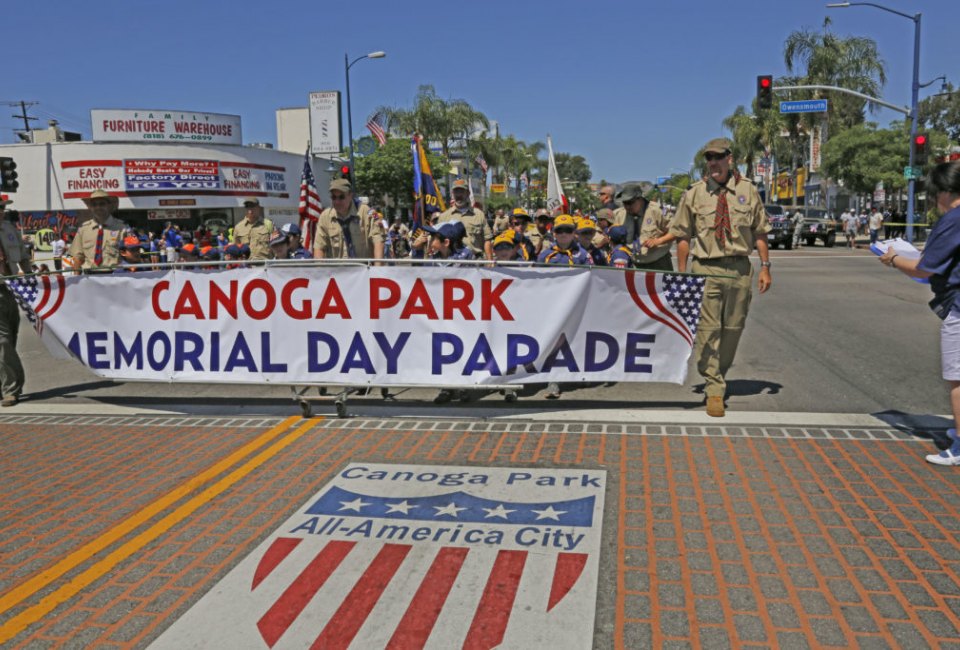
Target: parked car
x,y
818,224
781,227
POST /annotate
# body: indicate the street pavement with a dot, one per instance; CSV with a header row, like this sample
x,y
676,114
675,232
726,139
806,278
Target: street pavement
x,y
805,518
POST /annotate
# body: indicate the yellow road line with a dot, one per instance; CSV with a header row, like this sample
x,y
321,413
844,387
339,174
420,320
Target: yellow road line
x,y
96,571
88,550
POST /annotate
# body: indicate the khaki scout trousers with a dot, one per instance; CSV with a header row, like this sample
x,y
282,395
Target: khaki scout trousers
x,y
664,263
11,370
726,301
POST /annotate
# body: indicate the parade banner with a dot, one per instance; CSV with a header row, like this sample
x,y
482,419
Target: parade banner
x,y
363,326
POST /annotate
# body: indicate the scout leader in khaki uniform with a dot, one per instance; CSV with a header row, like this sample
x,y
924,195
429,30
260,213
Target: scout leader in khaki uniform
x,y
254,231
479,235
720,219
347,231
96,247
14,256
643,220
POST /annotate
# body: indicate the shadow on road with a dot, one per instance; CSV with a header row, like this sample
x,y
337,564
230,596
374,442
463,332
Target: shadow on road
x,y
931,427
746,387
67,391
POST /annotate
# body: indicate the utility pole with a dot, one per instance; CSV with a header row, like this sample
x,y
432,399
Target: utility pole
x,y
23,114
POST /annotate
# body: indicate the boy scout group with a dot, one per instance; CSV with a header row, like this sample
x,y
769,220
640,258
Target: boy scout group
x,y
719,222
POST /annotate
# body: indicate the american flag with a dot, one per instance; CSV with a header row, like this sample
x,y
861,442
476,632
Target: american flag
x,y
481,162
38,297
310,205
679,308
444,570
376,125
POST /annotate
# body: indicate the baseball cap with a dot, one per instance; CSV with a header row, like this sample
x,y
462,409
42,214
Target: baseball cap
x,y
584,224
605,214
244,250
232,250
251,201
506,238
189,249
131,242
210,253
460,184
618,235
520,212
448,230
564,220
290,229
277,237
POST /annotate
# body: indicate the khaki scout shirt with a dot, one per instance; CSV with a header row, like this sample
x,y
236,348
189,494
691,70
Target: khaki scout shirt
x,y
365,231
256,235
478,230
696,216
85,242
13,248
653,224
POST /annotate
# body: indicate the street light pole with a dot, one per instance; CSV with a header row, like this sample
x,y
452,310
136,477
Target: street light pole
x,y
914,98
347,64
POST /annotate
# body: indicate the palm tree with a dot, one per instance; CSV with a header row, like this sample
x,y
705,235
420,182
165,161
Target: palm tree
x,y
446,121
823,58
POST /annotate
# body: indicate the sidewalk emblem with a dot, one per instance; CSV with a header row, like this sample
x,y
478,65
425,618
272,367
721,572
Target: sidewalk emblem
x,y
419,556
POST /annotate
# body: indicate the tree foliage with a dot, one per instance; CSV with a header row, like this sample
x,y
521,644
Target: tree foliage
x,y
389,172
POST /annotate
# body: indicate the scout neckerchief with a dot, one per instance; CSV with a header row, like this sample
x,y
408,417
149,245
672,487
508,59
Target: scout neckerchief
x,y
722,220
98,249
347,237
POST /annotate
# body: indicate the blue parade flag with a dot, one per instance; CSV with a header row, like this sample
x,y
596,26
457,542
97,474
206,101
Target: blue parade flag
x,y
426,194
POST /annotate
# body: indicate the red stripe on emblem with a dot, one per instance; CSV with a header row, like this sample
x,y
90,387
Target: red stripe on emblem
x,y
288,607
493,613
346,622
632,290
280,549
565,575
655,299
421,615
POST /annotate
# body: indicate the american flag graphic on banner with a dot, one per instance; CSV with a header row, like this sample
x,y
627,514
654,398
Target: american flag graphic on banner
x,y
668,298
376,124
483,163
396,563
310,205
39,297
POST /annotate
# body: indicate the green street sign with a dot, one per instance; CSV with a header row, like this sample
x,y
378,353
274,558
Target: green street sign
x,y
912,173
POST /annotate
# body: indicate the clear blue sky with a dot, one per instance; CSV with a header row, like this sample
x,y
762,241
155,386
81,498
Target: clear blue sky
x,y
635,87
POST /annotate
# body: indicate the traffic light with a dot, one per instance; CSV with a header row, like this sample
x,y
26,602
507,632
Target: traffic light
x,y
8,175
920,141
765,91
345,171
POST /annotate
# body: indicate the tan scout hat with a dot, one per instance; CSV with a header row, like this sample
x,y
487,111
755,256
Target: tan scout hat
x,y
340,185
100,194
251,200
718,145
460,184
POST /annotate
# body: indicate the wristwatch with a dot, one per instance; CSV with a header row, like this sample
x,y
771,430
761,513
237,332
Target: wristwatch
x,y
765,264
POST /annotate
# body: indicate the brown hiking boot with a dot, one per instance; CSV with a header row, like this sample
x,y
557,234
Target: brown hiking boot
x,y
715,407
9,400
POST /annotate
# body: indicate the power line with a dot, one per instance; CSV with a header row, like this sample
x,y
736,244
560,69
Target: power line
x,y
23,114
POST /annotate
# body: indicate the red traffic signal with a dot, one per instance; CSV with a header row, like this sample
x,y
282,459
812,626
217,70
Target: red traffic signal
x,y
920,149
764,91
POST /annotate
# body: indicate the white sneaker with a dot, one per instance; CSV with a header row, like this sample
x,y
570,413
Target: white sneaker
x,y
949,456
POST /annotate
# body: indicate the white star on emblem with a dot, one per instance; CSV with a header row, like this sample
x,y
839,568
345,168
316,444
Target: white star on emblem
x,y
549,513
499,511
356,504
403,507
450,509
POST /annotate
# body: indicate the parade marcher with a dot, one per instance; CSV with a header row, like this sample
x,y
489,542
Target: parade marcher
x,y
644,221
96,246
797,220
621,255
540,235
130,254
522,227
189,254
447,243
506,248
347,231
606,194
279,245
254,230
13,259
500,222
59,248
719,221
294,241
940,263
566,250
586,230
479,234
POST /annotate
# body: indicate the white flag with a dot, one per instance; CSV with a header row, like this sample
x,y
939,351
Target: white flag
x,y
556,200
